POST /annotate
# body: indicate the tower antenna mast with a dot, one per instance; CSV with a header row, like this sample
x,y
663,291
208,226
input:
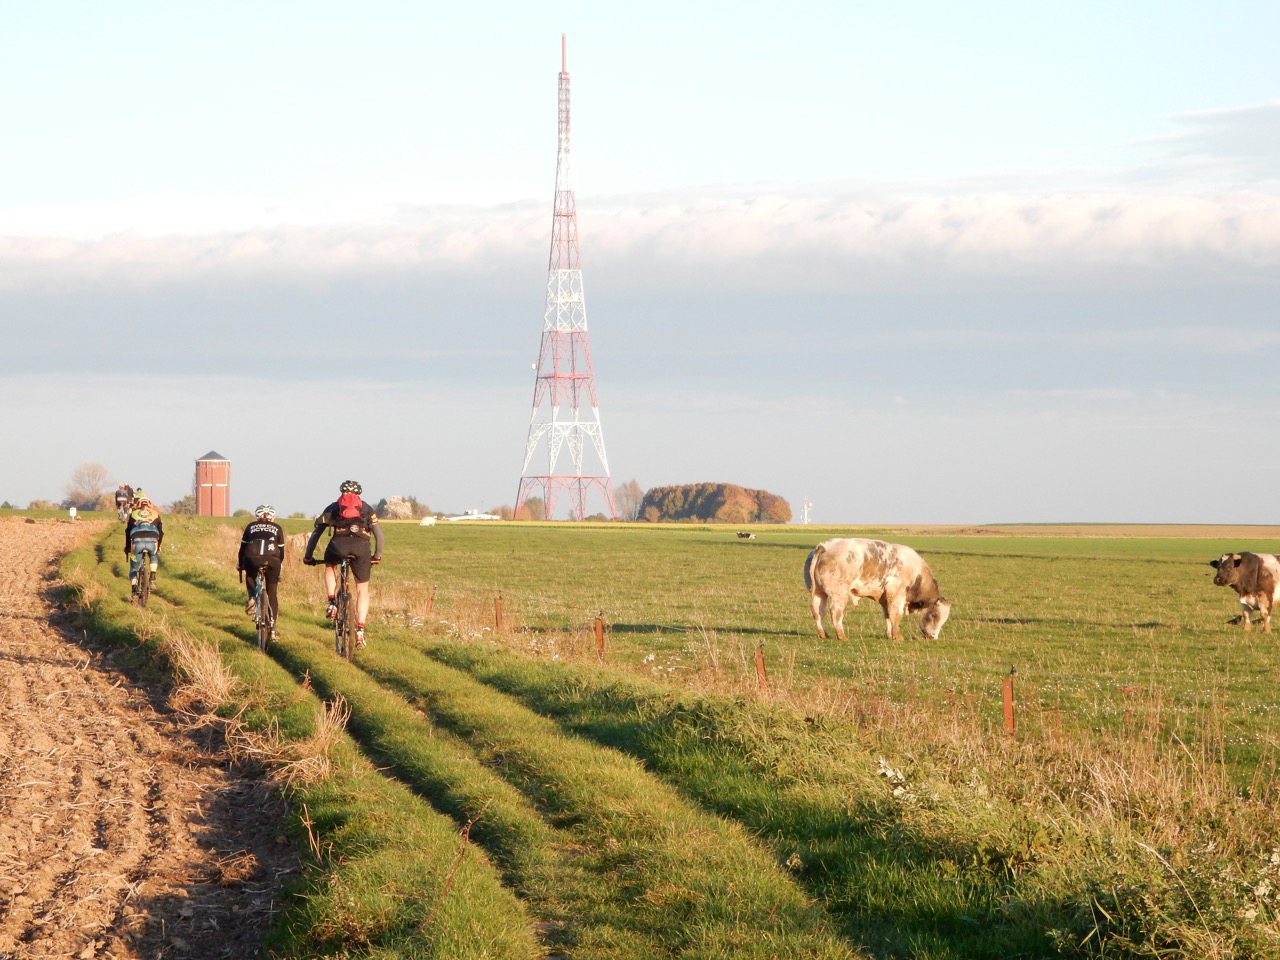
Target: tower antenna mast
x,y
566,411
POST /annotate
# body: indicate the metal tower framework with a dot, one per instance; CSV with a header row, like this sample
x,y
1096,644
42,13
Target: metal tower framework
x,y
566,412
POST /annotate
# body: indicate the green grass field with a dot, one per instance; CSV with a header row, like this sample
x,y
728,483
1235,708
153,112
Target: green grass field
x,y
661,802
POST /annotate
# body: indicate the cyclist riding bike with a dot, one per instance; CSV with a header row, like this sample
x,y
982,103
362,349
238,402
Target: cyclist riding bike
x,y
124,499
144,531
353,525
262,548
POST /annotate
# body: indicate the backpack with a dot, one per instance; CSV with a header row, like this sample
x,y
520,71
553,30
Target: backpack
x,y
349,517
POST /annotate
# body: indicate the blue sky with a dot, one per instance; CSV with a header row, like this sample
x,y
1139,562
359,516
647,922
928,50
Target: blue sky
x,y
910,263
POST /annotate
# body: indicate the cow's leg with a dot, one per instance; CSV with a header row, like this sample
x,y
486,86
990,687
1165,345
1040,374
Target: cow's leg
x,y
1264,606
818,603
836,606
1247,609
893,611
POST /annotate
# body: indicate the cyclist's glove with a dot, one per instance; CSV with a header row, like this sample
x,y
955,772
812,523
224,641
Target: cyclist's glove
x,y
310,561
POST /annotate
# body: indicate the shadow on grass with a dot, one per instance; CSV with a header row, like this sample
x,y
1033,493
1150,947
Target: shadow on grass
x,y
1060,622
208,584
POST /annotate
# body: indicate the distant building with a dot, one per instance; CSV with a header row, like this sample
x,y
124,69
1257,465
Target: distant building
x,y
474,515
213,485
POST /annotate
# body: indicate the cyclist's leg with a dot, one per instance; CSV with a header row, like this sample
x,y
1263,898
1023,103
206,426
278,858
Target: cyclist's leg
x,y
334,553
136,558
271,570
250,585
362,602
361,569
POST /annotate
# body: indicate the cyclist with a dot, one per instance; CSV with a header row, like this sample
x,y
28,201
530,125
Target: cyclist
x,y
353,524
124,498
144,530
262,548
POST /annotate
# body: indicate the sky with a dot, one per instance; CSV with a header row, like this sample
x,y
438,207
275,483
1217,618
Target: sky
x,y
908,263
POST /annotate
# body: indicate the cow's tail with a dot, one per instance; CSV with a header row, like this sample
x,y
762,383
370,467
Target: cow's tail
x,y
811,564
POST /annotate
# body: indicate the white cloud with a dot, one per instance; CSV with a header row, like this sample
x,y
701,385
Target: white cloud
x,y
806,241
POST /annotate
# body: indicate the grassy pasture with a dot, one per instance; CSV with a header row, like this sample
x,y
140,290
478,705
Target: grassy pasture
x,y
1102,630
865,803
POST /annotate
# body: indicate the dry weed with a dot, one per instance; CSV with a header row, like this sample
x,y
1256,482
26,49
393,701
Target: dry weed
x,y
308,761
206,681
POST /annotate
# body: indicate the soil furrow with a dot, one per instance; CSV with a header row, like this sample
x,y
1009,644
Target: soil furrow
x,y
113,822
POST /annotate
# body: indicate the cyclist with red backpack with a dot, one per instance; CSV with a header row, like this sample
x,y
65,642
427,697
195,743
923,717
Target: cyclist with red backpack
x,y
357,537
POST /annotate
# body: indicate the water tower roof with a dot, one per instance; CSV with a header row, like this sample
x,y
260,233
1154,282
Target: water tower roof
x,y
211,455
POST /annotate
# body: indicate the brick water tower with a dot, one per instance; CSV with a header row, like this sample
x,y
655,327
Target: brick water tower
x,y
213,485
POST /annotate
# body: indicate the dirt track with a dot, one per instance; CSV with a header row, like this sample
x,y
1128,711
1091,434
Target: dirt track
x,y
121,835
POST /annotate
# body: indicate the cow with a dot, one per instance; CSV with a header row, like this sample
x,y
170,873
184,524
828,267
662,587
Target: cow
x,y
838,571
1255,577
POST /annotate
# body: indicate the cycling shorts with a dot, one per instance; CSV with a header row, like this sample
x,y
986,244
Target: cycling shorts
x,y
356,549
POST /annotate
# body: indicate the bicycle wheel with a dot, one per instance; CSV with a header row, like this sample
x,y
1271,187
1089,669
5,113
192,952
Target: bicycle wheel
x,y
262,612
341,624
144,578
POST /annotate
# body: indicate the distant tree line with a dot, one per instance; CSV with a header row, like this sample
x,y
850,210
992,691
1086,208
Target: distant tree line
x,y
713,503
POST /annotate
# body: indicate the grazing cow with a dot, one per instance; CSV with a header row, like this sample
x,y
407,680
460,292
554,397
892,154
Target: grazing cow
x,y
839,570
743,535
1255,577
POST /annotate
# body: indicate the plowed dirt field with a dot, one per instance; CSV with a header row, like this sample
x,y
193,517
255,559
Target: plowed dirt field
x,y
123,832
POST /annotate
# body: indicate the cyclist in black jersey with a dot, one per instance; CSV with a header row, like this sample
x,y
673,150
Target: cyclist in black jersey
x,y
262,548
357,537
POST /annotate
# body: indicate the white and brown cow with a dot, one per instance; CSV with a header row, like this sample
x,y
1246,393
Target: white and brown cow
x,y
838,571
1255,577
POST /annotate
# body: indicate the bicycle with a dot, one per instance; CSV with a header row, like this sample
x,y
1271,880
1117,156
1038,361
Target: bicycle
x,y
344,621
123,508
142,591
262,616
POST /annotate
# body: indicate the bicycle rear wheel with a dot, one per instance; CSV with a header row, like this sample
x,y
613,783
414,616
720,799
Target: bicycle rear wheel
x,y
343,632
262,613
144,579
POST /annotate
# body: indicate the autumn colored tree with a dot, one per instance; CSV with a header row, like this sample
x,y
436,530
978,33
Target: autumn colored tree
x,y
713,503
535,508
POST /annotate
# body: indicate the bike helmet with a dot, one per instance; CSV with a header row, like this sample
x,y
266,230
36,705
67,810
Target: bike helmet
x,y
351,486
265,511
141,501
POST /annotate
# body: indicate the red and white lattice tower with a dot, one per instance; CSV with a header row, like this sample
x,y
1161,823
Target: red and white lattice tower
x,y
566,413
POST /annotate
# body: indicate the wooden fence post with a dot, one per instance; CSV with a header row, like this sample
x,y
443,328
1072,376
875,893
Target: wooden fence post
x,y
431,599
600,637
497,613
1010,725
762,678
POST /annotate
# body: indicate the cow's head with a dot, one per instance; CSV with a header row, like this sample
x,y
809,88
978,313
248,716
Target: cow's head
x,y
934,616
1226,566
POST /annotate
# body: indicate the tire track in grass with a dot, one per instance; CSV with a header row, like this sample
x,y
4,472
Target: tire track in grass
x,y
884,881
695,883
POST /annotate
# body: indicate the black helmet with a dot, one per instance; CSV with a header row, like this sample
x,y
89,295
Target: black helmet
x,y
351,486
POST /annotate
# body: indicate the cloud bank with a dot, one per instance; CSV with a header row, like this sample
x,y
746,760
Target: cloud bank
x,y
841,239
